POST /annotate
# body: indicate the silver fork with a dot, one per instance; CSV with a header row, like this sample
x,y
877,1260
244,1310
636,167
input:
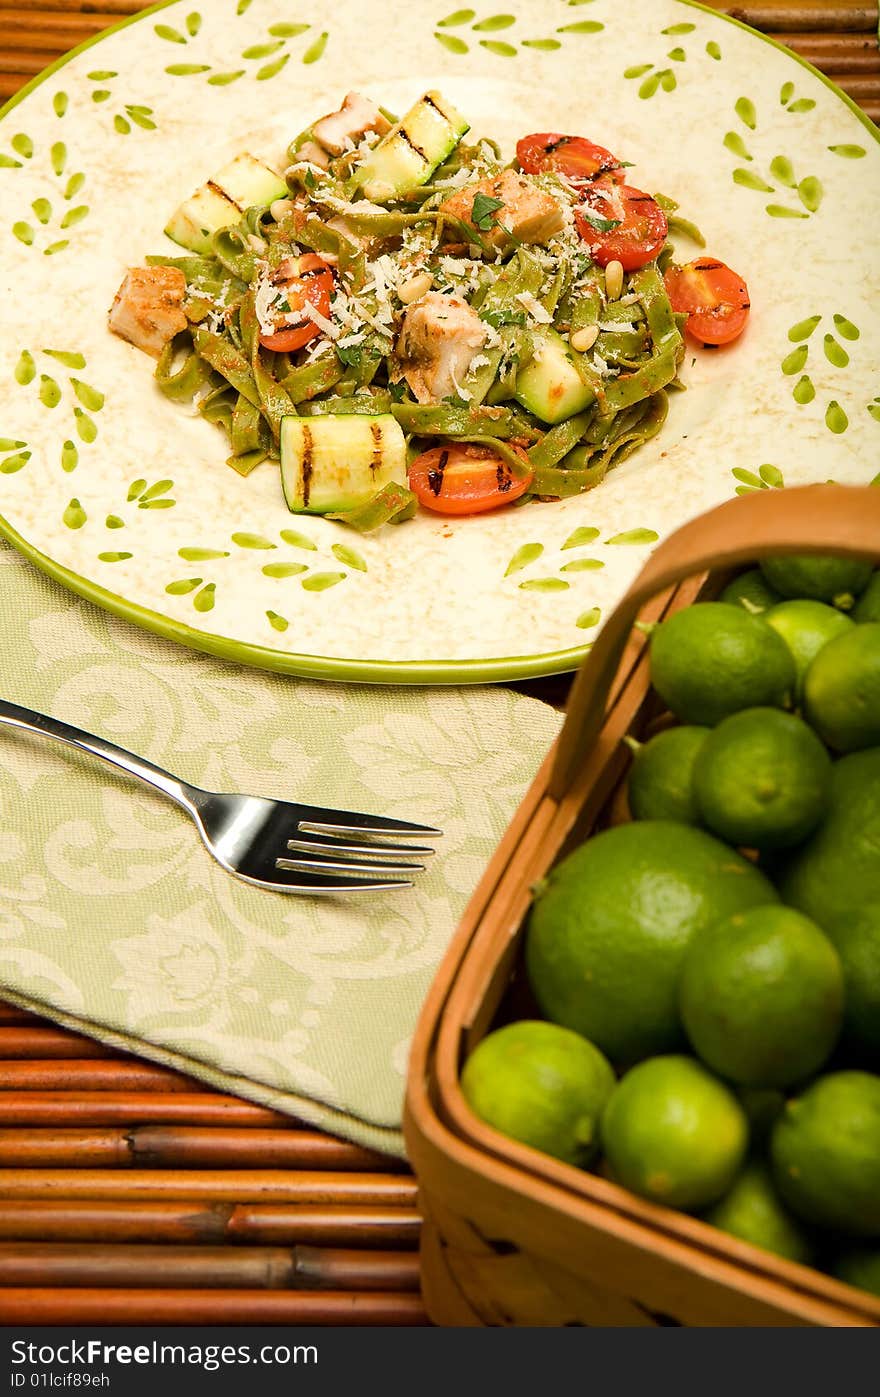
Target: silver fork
x,y
274,844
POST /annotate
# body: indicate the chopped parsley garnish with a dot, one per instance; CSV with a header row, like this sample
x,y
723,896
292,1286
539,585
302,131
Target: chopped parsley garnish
x,y
602,225
351,356
484,211
498,318
310,180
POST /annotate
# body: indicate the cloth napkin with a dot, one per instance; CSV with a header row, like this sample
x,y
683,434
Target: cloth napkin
x,y
115,921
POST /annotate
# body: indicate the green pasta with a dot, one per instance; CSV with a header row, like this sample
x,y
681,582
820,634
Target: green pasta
x,y
308,306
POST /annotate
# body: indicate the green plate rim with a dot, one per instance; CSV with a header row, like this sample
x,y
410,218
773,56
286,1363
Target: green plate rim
x,y
503,669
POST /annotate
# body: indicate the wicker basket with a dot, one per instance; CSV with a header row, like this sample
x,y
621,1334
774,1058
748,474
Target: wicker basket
x,y
512,1236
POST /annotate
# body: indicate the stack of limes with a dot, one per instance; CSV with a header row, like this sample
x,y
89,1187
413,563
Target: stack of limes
x,y
709,973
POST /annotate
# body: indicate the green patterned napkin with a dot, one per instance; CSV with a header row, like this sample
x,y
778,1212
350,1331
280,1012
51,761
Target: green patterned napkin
x,y
115,921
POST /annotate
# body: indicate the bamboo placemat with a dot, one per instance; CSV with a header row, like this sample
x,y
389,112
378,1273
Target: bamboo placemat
x,y
129,1194
132,1195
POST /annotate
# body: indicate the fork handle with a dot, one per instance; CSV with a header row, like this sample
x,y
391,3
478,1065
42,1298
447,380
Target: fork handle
x,y
14,716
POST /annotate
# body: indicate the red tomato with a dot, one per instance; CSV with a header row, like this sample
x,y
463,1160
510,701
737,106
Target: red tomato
x,y
714,299
466,479
573,156
304,280
637,228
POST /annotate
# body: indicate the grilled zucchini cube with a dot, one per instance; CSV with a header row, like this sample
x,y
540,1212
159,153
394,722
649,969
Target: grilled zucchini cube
x,y
550,385
335,463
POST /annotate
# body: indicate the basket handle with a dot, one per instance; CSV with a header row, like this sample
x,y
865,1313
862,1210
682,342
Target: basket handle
x,y
839,519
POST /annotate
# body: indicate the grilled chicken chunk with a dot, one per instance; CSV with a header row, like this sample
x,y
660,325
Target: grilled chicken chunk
x,y
310,153
341,131
147,309
438,339
528,213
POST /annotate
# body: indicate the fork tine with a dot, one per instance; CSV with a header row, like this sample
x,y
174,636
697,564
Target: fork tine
x,y
320,844
317,821
317,863
296,881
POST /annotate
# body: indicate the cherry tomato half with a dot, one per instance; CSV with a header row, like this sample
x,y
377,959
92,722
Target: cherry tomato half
x,y
466,479
573,156
714,299
620,224
303,280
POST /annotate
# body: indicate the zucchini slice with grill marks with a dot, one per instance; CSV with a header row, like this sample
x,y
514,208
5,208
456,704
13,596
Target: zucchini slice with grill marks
x,y
222,200
410,152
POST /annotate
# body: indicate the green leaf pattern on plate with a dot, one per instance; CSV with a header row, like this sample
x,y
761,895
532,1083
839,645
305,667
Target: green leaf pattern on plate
x,y
129,115
528,553
315,576
276,48
808,188
768,477
580,538
655,78
503,22
804,391
11,465
349,557
50,213
76,395
74,515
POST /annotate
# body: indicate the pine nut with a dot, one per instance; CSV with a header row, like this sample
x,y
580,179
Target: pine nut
x,y
584,339
279,208
613,280
411,290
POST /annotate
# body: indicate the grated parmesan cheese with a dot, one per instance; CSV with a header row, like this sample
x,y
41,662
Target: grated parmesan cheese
x,y
312,313
534,308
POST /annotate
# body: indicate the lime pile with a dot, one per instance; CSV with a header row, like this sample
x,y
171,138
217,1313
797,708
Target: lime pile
x,y
709,973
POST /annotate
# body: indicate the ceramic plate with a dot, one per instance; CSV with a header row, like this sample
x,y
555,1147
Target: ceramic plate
x,y
126,498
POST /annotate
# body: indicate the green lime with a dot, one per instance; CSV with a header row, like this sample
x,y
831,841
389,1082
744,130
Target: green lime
x,y
858,944
660,776
859,1267
837,871
806,627
762,779
751,591
711,660
826,1153
761,996
867,608
540,1084
608,929
674,1133
842,690
762,1106
836,580
753,1211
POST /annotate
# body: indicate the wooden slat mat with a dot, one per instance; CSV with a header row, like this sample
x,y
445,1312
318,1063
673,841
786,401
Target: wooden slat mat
x,y
129,1194
132,1195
